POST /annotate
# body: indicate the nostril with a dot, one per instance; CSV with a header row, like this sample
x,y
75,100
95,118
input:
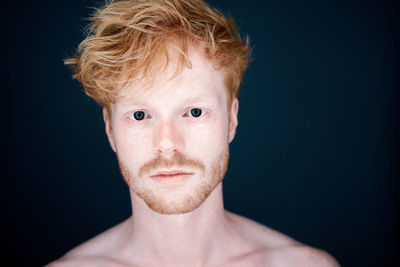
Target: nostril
x,y
167,138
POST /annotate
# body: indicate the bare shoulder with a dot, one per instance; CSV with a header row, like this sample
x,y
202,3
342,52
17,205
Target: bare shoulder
x,y
300,255
86,261
272,248
260,235
97,251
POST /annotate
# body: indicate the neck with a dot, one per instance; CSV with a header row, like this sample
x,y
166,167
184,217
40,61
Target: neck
x,y
182,239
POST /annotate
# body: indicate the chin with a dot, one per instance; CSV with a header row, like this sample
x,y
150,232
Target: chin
x,y
179,202
180,197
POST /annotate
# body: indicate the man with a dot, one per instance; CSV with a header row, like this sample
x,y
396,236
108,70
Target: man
x,y
167,74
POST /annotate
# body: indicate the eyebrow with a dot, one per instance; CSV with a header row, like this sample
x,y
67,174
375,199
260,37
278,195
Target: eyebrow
x,y
200,98
193,99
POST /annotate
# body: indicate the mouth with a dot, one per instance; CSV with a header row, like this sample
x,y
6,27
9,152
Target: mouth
x,y
171,177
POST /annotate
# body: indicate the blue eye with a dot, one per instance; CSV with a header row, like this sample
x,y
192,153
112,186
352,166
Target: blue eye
x,y
139,115
196,112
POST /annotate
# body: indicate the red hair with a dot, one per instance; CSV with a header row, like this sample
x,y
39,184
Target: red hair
x,y
126,38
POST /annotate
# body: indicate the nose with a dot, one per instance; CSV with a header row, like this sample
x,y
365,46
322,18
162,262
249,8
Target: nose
x,y
168,138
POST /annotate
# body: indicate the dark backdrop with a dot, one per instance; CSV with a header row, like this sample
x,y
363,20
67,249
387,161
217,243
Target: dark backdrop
x,y
315,155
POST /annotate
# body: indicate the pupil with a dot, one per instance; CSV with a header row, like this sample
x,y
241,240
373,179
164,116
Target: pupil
x,y
196,112
139,115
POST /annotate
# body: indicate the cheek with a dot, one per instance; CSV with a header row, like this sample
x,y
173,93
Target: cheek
x,y
207,141
202,141
132,146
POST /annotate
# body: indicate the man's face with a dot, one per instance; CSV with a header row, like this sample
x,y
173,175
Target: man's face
x,y
172,141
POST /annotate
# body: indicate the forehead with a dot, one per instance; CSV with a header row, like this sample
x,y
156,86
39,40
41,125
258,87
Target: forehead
x,y
200,81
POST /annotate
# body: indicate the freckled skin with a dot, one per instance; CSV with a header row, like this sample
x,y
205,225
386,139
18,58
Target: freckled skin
x,y
169,130
184,223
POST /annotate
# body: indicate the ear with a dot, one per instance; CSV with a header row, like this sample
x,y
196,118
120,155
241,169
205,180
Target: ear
x,y
107,121
233,119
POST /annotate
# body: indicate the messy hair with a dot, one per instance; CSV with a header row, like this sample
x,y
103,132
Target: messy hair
x,y
126,38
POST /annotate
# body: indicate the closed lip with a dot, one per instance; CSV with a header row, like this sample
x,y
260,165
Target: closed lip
x,y
170,173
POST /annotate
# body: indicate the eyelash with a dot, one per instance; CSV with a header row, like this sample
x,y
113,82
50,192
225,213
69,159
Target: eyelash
x,y
186,114
131,115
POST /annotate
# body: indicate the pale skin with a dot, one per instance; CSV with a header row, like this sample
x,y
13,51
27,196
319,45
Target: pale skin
x,y
208,235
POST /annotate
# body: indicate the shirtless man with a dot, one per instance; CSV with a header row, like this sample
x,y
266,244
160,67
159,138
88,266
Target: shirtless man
x,y
167,74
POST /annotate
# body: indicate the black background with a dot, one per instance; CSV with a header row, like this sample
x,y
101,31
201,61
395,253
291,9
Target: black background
x,y
315,156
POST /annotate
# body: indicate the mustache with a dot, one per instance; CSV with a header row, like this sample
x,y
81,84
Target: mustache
x,y
177,160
